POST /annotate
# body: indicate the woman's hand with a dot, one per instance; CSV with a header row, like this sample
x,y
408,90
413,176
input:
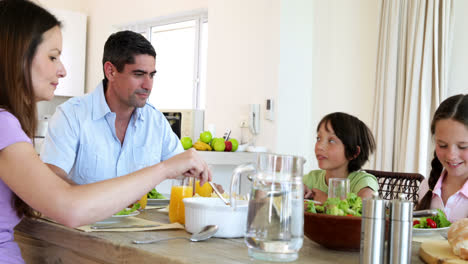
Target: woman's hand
x,y
190,164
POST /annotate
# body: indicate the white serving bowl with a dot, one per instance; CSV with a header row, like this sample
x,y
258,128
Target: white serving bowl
x,y
203,211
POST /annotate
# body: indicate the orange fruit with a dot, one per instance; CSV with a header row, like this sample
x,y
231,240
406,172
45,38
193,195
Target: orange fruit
x,y
143,201
204,190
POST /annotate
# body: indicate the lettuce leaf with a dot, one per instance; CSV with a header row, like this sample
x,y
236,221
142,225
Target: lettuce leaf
x,y
153,194
127,211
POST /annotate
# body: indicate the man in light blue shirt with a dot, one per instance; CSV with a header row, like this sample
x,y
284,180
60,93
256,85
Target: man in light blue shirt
x,y
112,131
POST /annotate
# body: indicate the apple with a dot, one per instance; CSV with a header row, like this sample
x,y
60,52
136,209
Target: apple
x,y
228,145
206,137
214,140
186,142
218,144
235,144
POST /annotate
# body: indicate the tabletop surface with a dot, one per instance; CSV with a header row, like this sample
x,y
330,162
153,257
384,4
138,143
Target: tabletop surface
x,y
116,247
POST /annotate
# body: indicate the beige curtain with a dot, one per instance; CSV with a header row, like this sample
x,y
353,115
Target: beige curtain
x,y
412,76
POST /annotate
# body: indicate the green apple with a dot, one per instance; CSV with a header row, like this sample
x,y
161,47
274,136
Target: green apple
x,y
215,140
235,144
206,137
186,142
218,144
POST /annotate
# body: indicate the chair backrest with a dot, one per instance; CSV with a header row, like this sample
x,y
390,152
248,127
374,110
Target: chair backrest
x,y
393,183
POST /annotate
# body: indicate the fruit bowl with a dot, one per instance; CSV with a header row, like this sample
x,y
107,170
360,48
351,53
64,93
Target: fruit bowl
x,y
334,232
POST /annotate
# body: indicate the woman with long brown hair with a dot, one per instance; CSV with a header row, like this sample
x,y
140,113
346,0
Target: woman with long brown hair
x,y
447,186
30,69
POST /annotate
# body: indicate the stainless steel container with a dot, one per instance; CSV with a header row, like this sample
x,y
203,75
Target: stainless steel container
x,y
373,230
401,231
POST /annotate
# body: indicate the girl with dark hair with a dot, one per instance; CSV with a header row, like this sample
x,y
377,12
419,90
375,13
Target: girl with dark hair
x,y
344,144
30,69
447,185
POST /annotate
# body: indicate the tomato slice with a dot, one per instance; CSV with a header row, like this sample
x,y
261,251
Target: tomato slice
x,y
431,223
416,222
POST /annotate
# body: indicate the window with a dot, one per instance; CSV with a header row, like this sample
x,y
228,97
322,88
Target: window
x,y
181,48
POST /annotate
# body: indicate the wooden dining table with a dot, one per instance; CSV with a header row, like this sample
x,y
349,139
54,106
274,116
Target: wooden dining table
x,y
43,241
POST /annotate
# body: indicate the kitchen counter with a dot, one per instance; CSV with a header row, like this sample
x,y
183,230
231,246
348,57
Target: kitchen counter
x,y
228,158
42,241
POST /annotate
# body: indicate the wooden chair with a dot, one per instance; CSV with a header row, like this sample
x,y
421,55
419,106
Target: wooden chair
x,y
393,183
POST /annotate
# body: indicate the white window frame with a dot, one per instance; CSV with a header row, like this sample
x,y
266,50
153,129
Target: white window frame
x,y
200,16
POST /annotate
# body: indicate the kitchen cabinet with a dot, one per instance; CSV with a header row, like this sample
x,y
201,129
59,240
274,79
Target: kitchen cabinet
x,y
73,52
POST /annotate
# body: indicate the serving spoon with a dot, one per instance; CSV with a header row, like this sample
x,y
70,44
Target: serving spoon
x,y
219,194
207,232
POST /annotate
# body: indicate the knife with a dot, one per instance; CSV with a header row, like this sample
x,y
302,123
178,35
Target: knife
x,y
428,212
122,226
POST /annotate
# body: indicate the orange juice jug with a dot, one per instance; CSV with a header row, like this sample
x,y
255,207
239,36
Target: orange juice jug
x,y
181,189
204,190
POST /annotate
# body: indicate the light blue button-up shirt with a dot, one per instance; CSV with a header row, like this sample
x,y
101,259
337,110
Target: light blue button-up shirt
x,y
82,140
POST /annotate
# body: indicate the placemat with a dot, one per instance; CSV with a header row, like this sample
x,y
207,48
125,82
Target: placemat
x,y
149,207
131,221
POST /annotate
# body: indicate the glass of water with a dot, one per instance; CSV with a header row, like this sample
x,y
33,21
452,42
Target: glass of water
x,y
338,187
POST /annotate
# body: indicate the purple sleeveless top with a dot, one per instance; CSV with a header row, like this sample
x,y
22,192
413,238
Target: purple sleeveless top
x,y
10,133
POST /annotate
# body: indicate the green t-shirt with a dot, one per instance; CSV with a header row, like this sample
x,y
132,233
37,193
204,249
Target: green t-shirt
x,y
357,181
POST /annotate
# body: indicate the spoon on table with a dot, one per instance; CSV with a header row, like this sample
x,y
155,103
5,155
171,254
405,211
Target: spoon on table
x,y
207,232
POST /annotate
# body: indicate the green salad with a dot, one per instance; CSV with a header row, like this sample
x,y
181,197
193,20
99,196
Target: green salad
x,y
127,211
435,221
352,206
153,194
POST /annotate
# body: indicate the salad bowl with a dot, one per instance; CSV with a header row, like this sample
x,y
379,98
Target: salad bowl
x,y
334,232
435,224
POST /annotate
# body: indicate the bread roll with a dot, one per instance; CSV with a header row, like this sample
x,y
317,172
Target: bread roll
x,y
458,238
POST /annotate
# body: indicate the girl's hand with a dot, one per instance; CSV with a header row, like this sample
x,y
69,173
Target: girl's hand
x,y
319,196
365,192
190,164
308,194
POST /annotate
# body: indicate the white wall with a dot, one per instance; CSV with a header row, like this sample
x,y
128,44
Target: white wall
x,y
243,60
328,57
296,75
328,64
458,77
345,57
243,56
78,6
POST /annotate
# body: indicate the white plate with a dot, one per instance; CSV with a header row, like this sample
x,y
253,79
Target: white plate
x,y
164,210
117,218
430,231
136,212
157,202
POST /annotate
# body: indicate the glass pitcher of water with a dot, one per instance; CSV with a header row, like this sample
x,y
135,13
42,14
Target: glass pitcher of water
x,y
276,206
